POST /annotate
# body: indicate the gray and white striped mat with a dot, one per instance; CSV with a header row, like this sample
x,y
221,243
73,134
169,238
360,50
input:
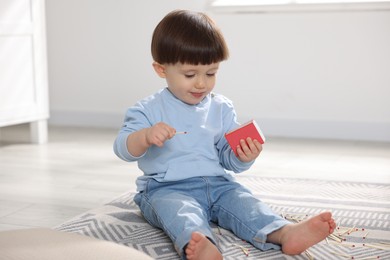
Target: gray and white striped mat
x,y
364,207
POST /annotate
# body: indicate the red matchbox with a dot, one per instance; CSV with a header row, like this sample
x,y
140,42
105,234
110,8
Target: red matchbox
x,y
249,129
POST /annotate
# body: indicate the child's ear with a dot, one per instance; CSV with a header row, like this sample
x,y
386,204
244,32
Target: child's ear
x,y
160,69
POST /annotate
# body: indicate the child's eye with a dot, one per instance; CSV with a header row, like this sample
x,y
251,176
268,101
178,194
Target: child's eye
x,y
211,74
189,75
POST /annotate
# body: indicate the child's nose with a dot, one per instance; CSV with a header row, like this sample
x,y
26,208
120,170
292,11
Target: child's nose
x,y
200,84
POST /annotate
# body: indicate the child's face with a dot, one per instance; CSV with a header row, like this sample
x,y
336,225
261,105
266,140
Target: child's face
x,y
189,83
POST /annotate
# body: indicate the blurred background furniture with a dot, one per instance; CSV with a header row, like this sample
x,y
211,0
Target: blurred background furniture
x,y
23,66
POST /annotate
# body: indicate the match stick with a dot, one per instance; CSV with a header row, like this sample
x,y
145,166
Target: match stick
x,y
370,257
244,250
335,238
181,133
376,246
343,244
351,230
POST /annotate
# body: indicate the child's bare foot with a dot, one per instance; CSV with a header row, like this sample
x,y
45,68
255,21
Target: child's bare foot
x,y
296,238
201,248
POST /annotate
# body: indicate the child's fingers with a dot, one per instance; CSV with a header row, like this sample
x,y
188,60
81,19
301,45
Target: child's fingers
x,y
165,129
240,154
254,145
244,146
243,151
159,133
251,145
248,149
258,145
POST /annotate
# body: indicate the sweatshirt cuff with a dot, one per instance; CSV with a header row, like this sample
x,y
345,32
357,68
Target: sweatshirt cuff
x,y
238,165
120,148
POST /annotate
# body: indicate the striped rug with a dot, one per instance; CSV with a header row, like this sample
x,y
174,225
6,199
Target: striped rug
x,y
361,210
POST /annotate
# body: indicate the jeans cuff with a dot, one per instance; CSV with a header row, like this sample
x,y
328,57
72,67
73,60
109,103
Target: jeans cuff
x,y
260,239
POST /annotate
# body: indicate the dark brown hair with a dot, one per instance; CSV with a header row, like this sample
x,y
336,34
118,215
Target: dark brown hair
x,y
189,38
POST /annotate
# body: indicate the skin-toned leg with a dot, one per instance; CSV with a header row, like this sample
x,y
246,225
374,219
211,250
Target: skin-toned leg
x,y
296,238
200,248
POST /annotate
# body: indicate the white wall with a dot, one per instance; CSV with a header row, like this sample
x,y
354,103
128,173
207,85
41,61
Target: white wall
x,y
313,75
322,75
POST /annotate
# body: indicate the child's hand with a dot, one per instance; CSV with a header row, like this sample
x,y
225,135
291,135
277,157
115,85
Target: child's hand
x,y
249,150
159,133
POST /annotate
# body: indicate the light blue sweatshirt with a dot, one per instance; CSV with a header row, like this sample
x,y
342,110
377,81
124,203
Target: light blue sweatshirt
x,y
203,151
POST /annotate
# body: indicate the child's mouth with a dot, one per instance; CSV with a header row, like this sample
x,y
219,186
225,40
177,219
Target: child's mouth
x,y
197,95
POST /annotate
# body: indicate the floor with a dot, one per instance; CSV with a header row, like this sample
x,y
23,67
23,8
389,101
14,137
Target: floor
x,y
45,185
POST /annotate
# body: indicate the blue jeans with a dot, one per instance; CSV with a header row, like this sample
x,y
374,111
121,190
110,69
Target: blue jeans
x,y
182,207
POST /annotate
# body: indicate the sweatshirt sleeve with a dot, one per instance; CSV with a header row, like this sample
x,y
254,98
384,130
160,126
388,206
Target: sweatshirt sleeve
x,y
135,120
227,157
